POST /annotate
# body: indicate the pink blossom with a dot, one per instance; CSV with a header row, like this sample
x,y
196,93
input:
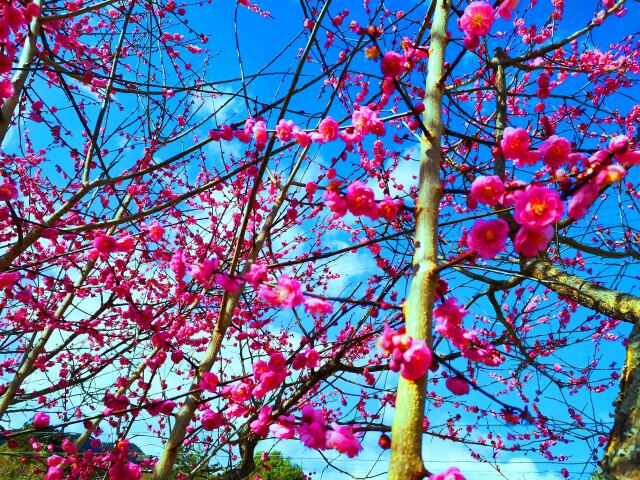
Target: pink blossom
x,y
317,306
538,207
335,202
529,158
506,7
177,264
54,473
328,129
313,428
361,200
556,151
416,360
580,202
104,244
529,242
212,420
6,88
283,428
457,385
41,420
630,157
285,294
256,274
609,175
301,137
393,64
452,474
9,279
471,42
203,273
342,439
227,283
260,134
514,143
8,191
209,382
260,426
619,144
477,19
488,190
388,208
488,237
156,231
284,130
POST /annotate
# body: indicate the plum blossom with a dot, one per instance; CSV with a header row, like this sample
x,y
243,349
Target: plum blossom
x,y
212,420
457,385
313,429
260,426
317,306
488,237
335,202
256,274
209,382
538,207
506,7
475,22
452,474
328,130
41,420
284,130
411,357
488,190
393,64
342,439
531,241
8,190
361,200
388,208
285,294
514,143
580,202
556,151
9,279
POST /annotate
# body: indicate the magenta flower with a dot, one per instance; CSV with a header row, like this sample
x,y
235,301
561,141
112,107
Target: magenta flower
x,y
260,426
514,143
361,200
452,474
285,294
335,202
388,208
328,129
457,385
488,237
8,191
212,420
256,274
9,279
209,382
477,19
556,151
40,420
342,439
580,202
487,190
538,207
393,64
317,306
416,360
529,242
506,7
284,130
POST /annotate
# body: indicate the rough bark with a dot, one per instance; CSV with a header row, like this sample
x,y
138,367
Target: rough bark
x,y
622,455
406,450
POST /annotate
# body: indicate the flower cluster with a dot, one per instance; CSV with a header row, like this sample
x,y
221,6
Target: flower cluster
x,y
449,317
312,430
360,201
411,357
269,375
475,22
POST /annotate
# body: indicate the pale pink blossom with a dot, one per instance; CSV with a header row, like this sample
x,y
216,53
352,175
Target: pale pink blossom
x,y
317,306
284,130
